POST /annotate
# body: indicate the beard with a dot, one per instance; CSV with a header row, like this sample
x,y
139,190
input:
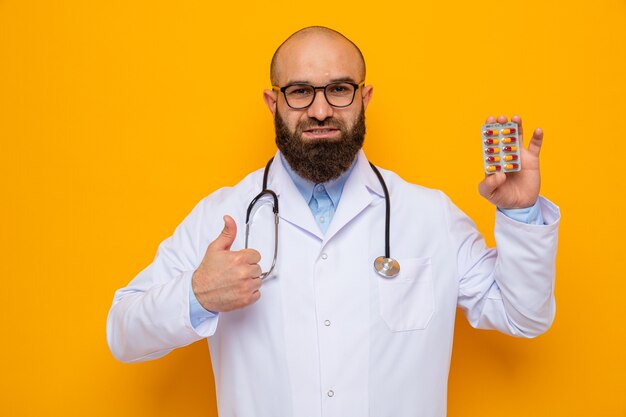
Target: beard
x,y
324,159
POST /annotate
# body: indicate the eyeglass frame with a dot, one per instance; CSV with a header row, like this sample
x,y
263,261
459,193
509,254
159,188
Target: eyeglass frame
x,y
323,88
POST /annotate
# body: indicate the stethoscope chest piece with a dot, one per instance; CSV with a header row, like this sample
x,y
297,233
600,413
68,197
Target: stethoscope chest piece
x,y
386,267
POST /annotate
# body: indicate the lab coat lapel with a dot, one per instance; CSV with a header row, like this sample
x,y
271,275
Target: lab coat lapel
x,y
291,204
361,188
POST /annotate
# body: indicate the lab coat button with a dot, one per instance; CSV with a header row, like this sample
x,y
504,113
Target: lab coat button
x,y
324,256
330,393
326,323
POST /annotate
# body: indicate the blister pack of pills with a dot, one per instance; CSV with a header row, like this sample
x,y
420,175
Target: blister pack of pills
x,y
501,147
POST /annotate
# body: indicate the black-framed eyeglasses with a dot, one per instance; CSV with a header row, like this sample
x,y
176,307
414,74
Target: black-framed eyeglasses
x,y
301,95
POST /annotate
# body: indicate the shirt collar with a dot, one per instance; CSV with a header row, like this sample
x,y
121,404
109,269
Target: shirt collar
x,y
334,188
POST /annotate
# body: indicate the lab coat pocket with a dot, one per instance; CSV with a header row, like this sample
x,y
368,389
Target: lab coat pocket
x,y
407,302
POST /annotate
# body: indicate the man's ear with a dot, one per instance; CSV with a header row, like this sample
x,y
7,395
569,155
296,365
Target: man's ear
x,y
367,91
270,97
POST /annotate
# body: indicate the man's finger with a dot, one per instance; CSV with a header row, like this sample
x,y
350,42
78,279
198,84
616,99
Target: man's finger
x,y
226,238
490,119
520,131
255,271
535,143
250,256
517,119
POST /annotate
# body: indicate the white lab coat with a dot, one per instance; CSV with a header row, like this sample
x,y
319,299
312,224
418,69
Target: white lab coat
x,y
329,337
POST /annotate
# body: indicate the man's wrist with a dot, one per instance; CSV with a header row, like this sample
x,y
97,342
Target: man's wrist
x,y
197,313
528,215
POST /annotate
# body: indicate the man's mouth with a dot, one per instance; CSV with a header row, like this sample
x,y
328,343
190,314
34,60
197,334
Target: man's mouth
x,y
320,133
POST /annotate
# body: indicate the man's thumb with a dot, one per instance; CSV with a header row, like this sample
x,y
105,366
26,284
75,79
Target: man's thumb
x,y
490,184
226,237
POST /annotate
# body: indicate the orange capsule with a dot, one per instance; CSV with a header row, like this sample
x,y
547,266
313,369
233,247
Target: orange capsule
x,y
509,148
492,150
490,133
511,166
493,168
509,140
507,131
493,159
492,141
510,158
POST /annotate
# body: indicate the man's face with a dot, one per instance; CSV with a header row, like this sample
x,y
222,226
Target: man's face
x,y
320,141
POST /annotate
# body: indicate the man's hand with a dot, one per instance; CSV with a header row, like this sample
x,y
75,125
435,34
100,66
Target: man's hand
x,y
515,189
227,280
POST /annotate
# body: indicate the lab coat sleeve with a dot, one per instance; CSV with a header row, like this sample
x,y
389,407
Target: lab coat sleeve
x,y
509,288
150,316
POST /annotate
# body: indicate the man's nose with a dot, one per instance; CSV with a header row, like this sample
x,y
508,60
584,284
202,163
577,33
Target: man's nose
x,y
320,109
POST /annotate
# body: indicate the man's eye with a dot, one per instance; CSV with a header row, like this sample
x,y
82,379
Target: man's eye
x,y
340,89
299,92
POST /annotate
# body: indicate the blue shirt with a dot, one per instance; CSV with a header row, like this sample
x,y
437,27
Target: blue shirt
x,y
323,200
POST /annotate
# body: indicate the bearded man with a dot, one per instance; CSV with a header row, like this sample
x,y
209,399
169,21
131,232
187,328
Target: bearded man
x,y
335,333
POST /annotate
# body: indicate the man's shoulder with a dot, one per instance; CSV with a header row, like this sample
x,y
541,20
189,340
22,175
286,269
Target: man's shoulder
x,y
248,186
415,201
399,185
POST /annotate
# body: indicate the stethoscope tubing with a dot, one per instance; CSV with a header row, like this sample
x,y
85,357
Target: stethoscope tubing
x,y
386,266
387,210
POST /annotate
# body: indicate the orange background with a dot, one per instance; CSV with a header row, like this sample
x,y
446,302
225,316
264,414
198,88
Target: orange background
x,y
116,117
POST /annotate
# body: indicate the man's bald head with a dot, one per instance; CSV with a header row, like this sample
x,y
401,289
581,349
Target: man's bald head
x,y
308,32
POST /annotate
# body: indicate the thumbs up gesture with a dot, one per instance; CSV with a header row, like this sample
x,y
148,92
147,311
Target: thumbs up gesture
x,y
227,280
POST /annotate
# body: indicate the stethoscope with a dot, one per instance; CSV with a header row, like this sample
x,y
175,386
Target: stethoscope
x,y
385,266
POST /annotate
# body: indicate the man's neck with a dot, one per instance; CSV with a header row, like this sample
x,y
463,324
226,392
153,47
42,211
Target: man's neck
x,y
334,187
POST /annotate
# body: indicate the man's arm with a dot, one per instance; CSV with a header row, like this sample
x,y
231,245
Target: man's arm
x,y
510,289
151,315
